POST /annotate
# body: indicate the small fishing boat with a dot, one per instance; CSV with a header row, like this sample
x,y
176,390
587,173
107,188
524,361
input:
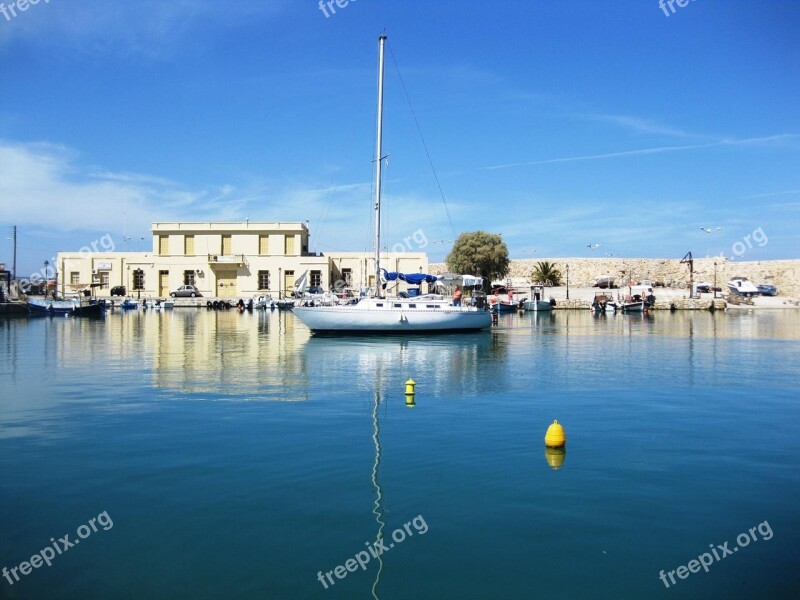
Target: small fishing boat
x,y
93,310
604,303
158,304
503,306
285,304
639,299
264,303
44,306
536,302
129,304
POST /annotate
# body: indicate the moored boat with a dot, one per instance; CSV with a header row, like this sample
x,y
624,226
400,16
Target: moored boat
x,y
91,310
536,302
44,306
604,303
742,286
419,314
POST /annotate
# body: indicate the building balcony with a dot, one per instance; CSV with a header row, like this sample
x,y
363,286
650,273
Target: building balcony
x,y
234,260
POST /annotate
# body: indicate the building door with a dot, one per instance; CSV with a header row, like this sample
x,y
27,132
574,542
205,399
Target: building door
x,y
163,284
226,284
226,245
288,283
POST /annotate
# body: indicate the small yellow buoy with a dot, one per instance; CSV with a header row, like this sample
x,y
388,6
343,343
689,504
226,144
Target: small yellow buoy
x,y
555,436
410,385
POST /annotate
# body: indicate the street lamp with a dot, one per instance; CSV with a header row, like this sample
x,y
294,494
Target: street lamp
x,y
46,264
567,282
715,280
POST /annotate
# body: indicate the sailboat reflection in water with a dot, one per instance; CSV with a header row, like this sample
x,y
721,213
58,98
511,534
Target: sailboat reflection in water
x,y
377,508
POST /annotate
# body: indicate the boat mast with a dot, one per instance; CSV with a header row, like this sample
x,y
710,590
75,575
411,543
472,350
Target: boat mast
x,y
378,163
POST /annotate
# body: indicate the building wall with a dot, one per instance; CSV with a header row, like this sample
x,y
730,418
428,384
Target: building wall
x,y
233,274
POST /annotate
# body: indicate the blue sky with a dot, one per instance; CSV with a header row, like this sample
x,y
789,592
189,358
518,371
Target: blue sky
x,y
555,124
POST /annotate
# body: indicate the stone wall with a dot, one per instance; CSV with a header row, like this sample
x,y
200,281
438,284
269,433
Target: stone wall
x,y
785,274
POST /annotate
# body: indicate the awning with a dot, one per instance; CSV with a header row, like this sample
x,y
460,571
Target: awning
x,y
413,278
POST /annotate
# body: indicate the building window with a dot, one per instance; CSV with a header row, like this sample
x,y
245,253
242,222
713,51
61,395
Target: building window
x,y
163,245
188,277
104,280
226,245
289,245
316,278
263,280
347,275
263,245
138,279
74,278
188,245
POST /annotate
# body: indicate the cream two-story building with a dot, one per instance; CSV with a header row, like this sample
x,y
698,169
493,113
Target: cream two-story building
x,y
225,260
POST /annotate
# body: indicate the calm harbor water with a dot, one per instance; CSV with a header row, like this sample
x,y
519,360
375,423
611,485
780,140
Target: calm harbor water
x,y
237,457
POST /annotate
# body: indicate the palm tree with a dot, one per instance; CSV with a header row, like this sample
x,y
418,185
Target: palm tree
x,y
546,272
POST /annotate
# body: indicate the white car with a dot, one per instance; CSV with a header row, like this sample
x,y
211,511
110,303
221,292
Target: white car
x,y
186,291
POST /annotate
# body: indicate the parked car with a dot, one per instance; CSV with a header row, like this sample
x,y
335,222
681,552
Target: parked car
x,y
703,288
186,291
767,289
118,290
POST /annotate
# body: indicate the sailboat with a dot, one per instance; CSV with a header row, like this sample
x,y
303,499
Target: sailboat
x,y
420,314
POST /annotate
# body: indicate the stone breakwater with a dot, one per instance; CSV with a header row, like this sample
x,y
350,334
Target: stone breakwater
x,y
784,274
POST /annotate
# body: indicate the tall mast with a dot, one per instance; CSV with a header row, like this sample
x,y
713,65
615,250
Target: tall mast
x,y
378,163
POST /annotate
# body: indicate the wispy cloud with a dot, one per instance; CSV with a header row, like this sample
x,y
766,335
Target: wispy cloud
x,y
642,126
142,28
772,194
774,139
45,186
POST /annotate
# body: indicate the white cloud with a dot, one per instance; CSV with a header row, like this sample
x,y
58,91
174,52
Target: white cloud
x,y
141,28
44,186
766,140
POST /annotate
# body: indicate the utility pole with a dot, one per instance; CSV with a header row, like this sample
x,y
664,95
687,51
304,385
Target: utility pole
x,y
14,269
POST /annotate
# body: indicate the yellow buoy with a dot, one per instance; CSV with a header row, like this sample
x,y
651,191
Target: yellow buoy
x,y
410,385
555,436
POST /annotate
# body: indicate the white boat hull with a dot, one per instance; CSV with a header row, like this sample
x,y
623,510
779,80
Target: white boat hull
x,y
633,307
537,305
741,286
392,316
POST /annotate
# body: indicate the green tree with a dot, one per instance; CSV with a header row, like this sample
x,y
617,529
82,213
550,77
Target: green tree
x,y
479,253
545,272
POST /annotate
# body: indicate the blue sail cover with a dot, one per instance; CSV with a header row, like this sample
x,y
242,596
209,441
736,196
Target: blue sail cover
x,y
413,278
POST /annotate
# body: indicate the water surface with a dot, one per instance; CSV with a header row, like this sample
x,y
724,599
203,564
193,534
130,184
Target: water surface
x,y
238,457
